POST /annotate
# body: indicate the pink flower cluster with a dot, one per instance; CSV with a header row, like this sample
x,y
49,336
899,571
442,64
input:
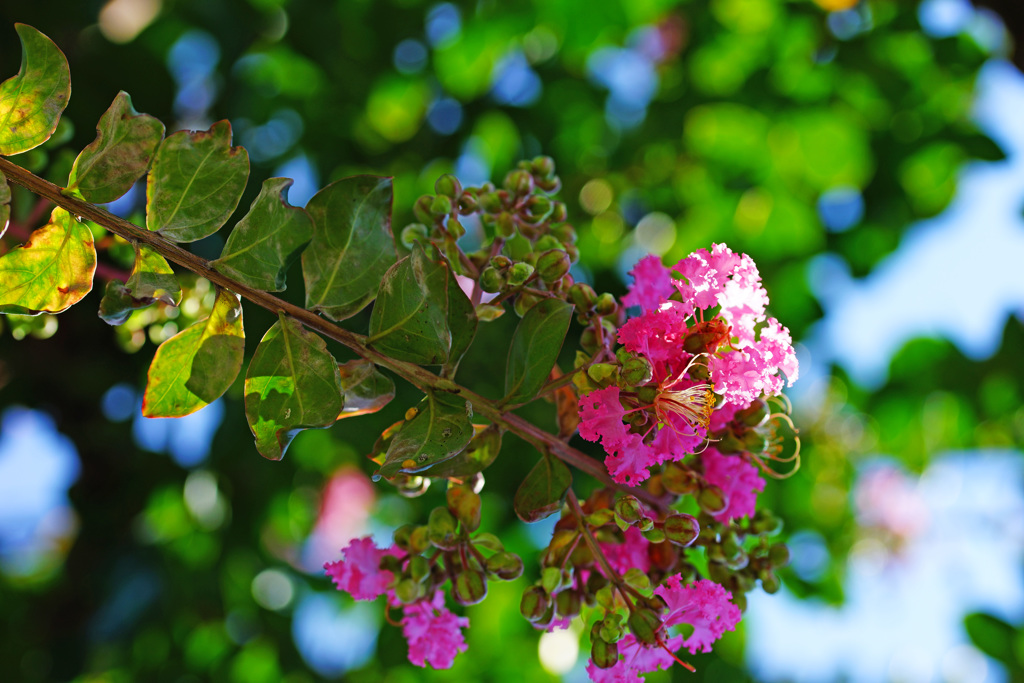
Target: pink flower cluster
x,y
703,604
433,632
742,352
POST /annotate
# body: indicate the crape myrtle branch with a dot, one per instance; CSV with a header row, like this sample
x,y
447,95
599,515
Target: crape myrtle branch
x,y
421,378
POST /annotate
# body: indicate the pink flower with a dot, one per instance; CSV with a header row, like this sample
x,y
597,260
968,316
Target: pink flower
x,y
739,480
360,573
632,552
703,604
636,658
651,283
434,633
601,418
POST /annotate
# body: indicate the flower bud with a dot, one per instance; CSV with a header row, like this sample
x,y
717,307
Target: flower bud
x,y
465,505
536,210
564,233
681,529
456,230
778,555
629,509
568,603
408,591
644,624
534,604
604,374
678,479
467,203
442,527
505,224
600,517
469,587
583,296
605,655
718,572
491,202
712,500
390,563
740,600
448,185
520,182
753,415
637,372
524,302
552,265
543,166
588,340
421,209
419,568
606,304
729,443
551,579
402,536
441,206
492,280
769,581
506,566
413,233
654,534
489,312
559,212
519,273
754,441
765,522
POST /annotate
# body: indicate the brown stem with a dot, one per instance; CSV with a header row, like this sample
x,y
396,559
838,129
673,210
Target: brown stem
x,y
414,374
591,542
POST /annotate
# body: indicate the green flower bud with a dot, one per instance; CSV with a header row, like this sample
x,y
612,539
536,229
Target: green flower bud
x,y
390,563
505,225
524,302
753,415
600,517
408,591
637,372
740,600
568,603
520,182
403,535
547,243
441,206
455,229
769,581
419,540
604,654
647,394
465,505
729,443
559,212
711,499
421,209
678,479
718,572
537,208
550,185
629,509
492,280
553,264
443,529
765,522
583,296
588,340
491,202
534,604
604,374
754,441
506,566
543,166
654,535
644,624
606,304
448,185
489,312
564,233
419,568
682,529
467,203
413,233
469,587
551,579
519,273
778,555
501,262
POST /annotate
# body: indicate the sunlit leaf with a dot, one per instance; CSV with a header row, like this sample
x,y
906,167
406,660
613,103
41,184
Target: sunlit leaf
x,y
352,246
366,388
267,240
542,492
410,317
440,430
5,204
476,457
151,280
195,184
293,383
51,271
195,367
124,146
31,102
534,349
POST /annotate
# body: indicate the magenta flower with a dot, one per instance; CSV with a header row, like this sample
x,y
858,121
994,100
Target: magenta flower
x,y
360,573
636,658
632,552
434,633
652,283
739,480
703,604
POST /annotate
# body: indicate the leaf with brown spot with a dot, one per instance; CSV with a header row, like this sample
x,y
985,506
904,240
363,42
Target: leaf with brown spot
x,y
32,101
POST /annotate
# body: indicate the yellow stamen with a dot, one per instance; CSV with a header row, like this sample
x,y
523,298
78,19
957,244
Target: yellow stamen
x,y
694,403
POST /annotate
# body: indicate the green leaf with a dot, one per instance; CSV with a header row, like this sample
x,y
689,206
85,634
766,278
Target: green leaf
x,y
293,384
439,431
268,240
410,318
195,184
196,366
51,271
352,246
124,146
462,323
5,204
31,102
366,388
476,457
151,280
542,492
991,635
535,345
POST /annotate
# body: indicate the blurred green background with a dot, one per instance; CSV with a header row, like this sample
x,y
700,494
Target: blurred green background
x,y
863,153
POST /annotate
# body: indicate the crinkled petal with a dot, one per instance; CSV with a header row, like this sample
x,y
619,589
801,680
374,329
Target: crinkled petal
x,y
359,573
703,604
738,479
434,633
651,284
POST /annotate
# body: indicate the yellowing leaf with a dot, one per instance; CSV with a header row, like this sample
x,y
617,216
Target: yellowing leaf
x,y
51,271
32,101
